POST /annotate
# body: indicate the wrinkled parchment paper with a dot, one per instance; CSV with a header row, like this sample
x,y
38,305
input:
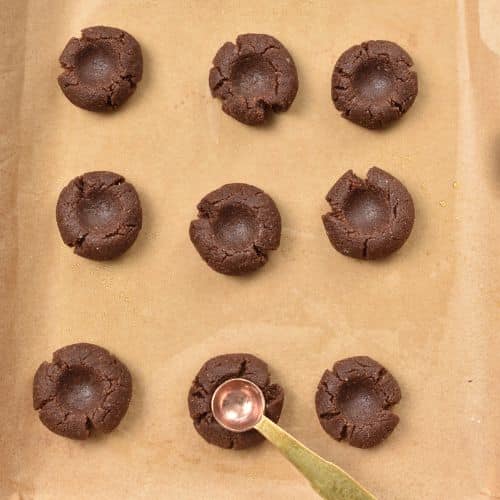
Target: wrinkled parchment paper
x,y
429,313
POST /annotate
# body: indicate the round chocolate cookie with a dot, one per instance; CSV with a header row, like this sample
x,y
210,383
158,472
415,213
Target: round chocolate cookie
x,y
84,389
373,83
253,77
353,401
213,373
370,218
237,225
99,214
101,69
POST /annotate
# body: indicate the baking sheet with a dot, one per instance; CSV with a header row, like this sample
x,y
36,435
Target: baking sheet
x,y
429,313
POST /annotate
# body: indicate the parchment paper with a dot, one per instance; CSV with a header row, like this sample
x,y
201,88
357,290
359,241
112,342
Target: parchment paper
x,y
429,313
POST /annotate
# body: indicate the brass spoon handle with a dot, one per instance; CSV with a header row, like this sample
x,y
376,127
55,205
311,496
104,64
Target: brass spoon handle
x,y
330,481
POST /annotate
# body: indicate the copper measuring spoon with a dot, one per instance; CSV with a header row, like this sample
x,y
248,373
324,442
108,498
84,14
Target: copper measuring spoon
x,y
238,405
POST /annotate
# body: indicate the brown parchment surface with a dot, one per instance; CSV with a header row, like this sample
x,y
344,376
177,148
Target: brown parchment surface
x,y
429,313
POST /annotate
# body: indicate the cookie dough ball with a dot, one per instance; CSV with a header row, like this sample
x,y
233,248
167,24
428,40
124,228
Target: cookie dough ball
x,y
353,401
101,69
369,219
84,389
213,373
253,77
99,214
237,225
373,84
